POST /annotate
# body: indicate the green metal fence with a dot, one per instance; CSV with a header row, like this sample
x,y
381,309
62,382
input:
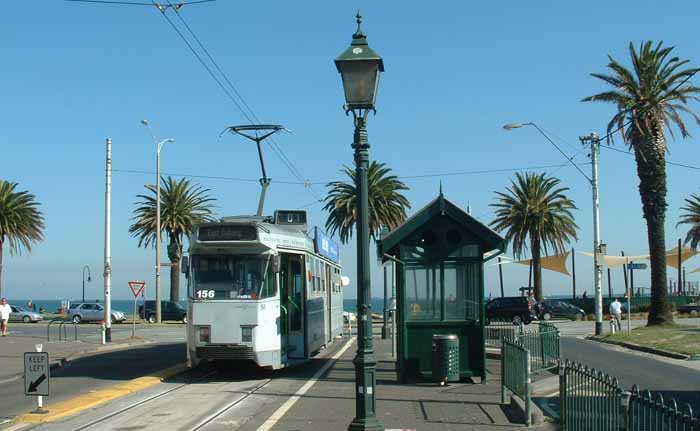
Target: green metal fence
x,y
648,413
591,400
496,332
543,344
515,369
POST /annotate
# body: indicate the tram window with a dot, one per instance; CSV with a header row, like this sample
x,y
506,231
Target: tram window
x,y
295,297
269,287
230,277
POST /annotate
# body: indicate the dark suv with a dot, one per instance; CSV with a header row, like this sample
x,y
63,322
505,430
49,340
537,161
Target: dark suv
x,y
169,311
517,309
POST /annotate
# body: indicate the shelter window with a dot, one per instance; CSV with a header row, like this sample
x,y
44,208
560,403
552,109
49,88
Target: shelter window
x,y
423,297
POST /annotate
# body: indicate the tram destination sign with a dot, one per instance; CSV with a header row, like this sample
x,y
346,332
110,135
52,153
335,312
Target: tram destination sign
x,y
227,233
325,246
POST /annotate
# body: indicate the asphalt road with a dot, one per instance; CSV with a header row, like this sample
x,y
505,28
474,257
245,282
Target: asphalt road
x,y
91,373
670,377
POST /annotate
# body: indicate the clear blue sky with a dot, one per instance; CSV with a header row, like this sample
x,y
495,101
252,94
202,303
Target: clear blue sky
x,y
74,74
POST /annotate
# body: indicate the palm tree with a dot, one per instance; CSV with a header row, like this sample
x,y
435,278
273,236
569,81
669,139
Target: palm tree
x,y
21,222
387,206
649,100
182,206
535,210
691,217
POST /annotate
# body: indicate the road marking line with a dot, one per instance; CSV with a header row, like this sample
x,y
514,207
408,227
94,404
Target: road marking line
x,y
90,400
16,427
280,412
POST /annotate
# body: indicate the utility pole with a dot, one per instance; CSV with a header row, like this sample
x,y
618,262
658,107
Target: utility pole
x,y
108,252
680,266
573,272
597,249
500,275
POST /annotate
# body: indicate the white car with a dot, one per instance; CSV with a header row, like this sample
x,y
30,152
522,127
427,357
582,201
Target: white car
x,y
19,314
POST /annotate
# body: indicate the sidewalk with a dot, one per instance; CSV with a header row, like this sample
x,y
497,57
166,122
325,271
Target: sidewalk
x,y
330,403
12,350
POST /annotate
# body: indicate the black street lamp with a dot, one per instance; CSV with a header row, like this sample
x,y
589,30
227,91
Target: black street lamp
x,y
360,66
89,279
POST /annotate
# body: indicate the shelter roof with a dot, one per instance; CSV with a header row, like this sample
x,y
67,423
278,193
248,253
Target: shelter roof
x,y
489,239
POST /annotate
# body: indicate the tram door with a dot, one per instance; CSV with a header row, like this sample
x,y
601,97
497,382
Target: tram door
x,y
329,303
293,301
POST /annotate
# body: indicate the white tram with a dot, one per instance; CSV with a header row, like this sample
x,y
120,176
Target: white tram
x,y
261,289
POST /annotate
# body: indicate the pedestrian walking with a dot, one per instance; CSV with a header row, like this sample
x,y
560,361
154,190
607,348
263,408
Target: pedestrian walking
x,y
616,311
5,311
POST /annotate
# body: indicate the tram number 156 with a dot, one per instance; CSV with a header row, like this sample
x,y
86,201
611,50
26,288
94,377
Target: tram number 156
x,y
205,294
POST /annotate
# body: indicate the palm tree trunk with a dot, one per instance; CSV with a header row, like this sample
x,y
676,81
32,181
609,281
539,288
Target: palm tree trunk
x,y
174,253
1,251
651,169
536,266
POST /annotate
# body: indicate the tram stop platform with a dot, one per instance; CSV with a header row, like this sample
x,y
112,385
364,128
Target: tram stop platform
x,y
330,403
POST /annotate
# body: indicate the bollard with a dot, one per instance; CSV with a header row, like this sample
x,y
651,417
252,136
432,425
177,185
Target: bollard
x,y
612,326
103,329
40,399
625,410
562,394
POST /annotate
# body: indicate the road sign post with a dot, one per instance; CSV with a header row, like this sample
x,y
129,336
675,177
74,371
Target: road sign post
x,y
136,288
37,376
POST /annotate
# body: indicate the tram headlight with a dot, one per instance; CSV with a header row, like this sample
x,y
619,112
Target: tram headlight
x,y
203,334
247,334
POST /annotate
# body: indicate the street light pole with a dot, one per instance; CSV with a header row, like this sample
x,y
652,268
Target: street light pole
x,y
89,279
360,68
598,247
159,146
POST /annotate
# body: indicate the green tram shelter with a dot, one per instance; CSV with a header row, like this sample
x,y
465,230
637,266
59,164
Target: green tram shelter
x,y
440,252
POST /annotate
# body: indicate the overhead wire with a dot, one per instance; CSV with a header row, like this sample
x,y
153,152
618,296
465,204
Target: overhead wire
x,y
279,152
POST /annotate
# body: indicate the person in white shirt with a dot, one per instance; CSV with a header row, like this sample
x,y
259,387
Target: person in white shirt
x,y
616,311
5,311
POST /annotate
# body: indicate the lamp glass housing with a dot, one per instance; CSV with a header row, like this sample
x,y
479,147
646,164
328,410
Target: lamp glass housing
x,y
360,82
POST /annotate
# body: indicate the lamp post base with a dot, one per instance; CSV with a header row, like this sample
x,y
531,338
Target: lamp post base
x,y
366,424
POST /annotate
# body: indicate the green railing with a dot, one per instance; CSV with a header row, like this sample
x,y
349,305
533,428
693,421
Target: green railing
x,y
591,400
543,344
515,369
496,332
648,413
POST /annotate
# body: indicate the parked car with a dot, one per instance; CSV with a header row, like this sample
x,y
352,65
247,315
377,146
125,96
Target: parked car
x,y
517,309
92,312
169,311
19,314
549,309
692,309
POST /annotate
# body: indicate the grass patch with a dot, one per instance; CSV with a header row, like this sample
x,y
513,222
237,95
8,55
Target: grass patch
x,y
671,337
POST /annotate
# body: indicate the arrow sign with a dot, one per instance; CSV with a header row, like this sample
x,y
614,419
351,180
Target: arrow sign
x,y
36,373
35,384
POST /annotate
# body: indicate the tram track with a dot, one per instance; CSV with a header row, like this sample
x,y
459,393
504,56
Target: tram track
x,y
229,406
140,403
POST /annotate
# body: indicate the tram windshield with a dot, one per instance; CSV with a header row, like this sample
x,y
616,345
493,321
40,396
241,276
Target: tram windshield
x,y
232,277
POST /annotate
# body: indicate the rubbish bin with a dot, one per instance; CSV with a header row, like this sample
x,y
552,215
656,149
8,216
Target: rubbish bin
x,y
445,358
